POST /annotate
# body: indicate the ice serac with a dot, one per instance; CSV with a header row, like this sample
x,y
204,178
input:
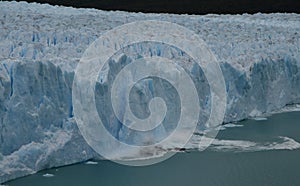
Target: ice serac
x,y
40,47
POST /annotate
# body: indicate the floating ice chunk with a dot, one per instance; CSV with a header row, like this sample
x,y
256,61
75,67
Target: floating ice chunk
x,y
260,119
91,163
286,144
232,125
47,175
229,125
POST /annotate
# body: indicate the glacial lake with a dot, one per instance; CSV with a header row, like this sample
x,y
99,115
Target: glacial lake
x,y
258,152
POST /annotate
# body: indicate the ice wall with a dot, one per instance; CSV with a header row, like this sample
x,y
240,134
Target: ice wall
x,y
40,46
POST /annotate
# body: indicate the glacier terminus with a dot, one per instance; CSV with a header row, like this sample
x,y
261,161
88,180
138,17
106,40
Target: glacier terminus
x,y
41,46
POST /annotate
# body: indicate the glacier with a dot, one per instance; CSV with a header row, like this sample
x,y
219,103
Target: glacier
x,y
41,45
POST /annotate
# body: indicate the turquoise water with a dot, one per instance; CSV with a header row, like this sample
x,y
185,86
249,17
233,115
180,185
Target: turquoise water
x,y
268,162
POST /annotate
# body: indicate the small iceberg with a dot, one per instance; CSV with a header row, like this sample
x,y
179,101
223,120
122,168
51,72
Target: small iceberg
x,y
48,175
228,125
232,125
91,163
260,119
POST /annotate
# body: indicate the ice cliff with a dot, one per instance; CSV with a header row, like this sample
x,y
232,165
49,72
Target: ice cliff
x,y
40,46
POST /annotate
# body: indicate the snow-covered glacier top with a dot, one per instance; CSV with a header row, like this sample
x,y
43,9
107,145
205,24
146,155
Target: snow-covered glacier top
x,y
43,32
41,45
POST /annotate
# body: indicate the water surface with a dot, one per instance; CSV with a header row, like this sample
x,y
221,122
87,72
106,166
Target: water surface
x,y
273,158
